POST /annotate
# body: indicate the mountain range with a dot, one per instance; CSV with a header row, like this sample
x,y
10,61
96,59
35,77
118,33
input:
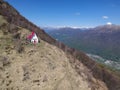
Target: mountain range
x,y
101,40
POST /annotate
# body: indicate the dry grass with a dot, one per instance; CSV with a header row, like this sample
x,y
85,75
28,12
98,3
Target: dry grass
x,y
41,67
2,20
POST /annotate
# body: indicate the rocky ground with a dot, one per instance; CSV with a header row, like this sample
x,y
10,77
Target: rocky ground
x,y
24,66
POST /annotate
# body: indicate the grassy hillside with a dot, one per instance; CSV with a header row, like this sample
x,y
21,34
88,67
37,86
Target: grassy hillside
x,y
24,66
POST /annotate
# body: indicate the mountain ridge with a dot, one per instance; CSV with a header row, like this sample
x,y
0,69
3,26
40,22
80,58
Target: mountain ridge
x,y
101,27
73,54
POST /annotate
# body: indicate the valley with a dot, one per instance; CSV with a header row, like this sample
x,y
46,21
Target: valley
x,y
102,41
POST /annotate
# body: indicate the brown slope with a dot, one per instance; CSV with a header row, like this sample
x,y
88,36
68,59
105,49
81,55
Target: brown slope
x,y
24,66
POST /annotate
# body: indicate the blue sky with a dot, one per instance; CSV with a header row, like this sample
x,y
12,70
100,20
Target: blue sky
x,y
73,13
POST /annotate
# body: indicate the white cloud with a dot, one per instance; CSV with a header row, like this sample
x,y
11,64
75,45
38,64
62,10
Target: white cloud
x,y
109,23
105,17
77,13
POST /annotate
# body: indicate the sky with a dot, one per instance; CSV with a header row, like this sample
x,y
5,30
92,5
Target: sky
x,y
69,13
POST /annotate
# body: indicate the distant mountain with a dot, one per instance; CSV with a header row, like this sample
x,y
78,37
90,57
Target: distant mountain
x,y
108,28
101,40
